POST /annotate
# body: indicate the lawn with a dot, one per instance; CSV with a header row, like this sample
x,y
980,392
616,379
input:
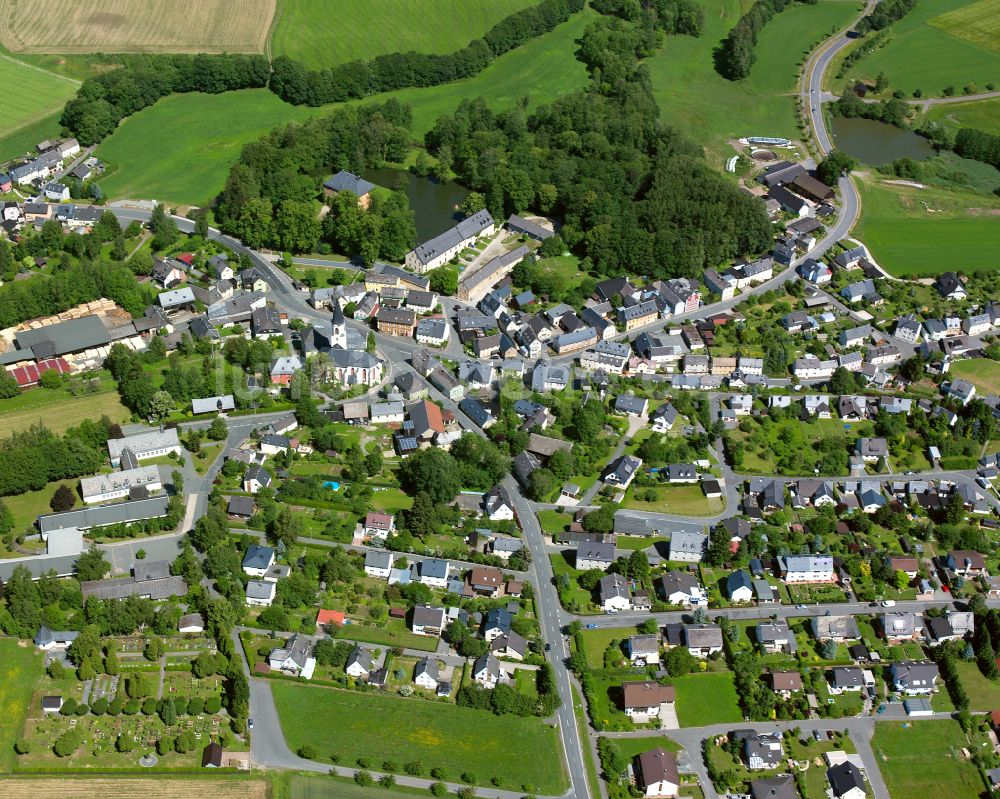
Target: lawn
x,y
30,95
28,506
523,751
983,694
979,114
934,46
198,136
711,109
314,786
309,33
58,409
394,633
922,231
19,668
923,759
683,500
704,699
573,597
595,642
983,373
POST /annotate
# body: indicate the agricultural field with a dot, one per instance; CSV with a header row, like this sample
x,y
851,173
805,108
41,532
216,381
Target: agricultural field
x,y
922,231
316,786
524,751
711,109
924,758
307,31
115,26
980,114
31,96
236,786
19,667
982,373
198,136
939,44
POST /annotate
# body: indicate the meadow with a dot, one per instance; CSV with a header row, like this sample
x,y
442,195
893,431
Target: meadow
x,y
30,96
523,751
19,666
928,231
930,50
197,137
979,114
58,409
231,786
115,26
983,374
924,759
708,698
307,31
711,109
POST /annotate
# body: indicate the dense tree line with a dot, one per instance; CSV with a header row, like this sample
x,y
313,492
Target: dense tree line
x,y
635,196
103,101
892,111
70,286
978,145
735,55
32,458
885,13
269,196
670,16
294,84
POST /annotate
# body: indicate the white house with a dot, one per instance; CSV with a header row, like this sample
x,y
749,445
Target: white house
x,y
378,563
258,560
806,568
656,773
427,675
486,670
294,658
359,663
143,446
261,593
191,623
116,485
615,594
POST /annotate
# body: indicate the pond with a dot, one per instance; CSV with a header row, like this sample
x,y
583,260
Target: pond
x,y
875,143
434,204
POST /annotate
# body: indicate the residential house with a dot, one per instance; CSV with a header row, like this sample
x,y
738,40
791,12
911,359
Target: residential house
x,y
427,620
774,637
760,750
643,649
378,563
835,628
620,472
427,674
899,627
486,670
260,593
846,678
846,781
738,587
594,555
682,588
614,593
644,700
688,547
950,286
442,248
702,640
396,321
914,677
656,773
360,663
433,572
806,568
258,560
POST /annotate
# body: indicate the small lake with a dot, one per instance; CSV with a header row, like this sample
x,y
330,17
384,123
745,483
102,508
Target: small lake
x,y
434,204
875,143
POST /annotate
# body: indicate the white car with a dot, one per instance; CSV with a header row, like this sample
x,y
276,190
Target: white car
x,y
888,603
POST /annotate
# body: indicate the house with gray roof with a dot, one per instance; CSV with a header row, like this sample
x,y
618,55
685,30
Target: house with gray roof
x,y
445,246
914,677
151,444
688,547
128,512
702,640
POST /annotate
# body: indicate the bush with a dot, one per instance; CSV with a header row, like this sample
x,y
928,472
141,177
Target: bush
x,y
363,778
149,706
100,707
196,706
124,743
21,746
213,704
67,743
308,751
439,788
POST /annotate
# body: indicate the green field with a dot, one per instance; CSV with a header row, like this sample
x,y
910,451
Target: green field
x,y
196,137
984,694
19,667
524,752
704,699
58,409
30,95
980,114
928,51
978,23
928,231
595,642
309,32
29,506
181,149
923,758
315,786
711,109
982,373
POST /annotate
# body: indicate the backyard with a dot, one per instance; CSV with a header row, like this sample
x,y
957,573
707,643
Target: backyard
x,y
984,374
20,665
524,752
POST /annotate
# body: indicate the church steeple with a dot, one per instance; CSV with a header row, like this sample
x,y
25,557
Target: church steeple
x,y
338,335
